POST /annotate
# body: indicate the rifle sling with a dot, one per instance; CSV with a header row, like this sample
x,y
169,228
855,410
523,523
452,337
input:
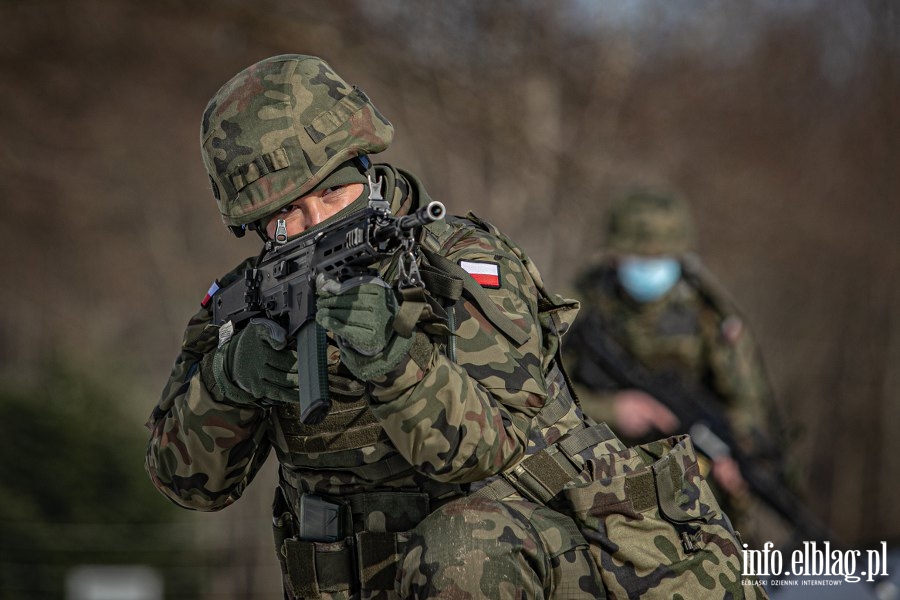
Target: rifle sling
x,y
410,310
440,283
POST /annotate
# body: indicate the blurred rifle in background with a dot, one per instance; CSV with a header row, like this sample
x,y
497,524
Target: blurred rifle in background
x,y
702,416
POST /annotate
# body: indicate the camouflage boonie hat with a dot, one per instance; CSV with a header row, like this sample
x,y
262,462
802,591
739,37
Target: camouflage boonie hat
x,y
649,222
279,127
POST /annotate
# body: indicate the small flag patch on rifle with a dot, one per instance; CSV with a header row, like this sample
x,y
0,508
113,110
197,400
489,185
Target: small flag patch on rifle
x,y
487,274
212,292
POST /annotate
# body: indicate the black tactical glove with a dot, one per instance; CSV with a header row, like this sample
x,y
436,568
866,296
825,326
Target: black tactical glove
x,y
254,367
360,312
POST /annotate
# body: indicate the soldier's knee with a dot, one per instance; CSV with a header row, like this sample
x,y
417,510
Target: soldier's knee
x,y
473,546
491,549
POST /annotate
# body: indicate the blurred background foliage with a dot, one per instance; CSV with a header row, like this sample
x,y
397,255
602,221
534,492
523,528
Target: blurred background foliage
x,y
71,494
778,120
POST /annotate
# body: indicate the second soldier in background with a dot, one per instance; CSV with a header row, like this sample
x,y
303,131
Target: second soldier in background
x,y
671,322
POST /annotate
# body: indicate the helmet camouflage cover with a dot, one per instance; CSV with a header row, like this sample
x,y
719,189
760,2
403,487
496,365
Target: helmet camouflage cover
x,y
278,128
649,222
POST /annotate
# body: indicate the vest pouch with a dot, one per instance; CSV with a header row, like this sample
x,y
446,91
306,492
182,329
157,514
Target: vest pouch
x,y
314,570
655,527
363,563
382,521
283,526
378,556
317,570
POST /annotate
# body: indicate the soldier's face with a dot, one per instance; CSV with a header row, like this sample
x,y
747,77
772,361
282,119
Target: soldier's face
x,y
311,209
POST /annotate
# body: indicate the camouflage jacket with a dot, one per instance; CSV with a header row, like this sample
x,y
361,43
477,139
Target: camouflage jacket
x,y
689,332
432,424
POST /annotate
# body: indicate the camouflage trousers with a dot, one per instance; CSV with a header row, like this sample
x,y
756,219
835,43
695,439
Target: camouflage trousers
x,y
469,548
511,549
630,523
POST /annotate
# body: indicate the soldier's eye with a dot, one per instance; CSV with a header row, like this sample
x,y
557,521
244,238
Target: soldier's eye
x,y
334,194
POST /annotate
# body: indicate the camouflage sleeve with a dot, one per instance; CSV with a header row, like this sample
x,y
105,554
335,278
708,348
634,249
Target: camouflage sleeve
x,y
202,452
466,420
741,381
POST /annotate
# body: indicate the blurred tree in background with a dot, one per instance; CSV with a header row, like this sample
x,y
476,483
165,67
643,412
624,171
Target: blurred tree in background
x,y
779,121
72,491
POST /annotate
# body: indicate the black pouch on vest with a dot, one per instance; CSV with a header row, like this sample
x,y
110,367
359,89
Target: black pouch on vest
x,y
319,519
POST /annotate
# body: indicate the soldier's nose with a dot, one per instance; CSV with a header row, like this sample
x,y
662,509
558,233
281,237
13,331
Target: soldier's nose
x,y
314,214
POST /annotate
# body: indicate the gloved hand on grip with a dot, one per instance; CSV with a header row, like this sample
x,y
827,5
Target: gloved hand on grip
x,y
360,312
254,366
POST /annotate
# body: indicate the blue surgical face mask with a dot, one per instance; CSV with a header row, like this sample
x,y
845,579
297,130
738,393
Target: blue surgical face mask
x,y
648,279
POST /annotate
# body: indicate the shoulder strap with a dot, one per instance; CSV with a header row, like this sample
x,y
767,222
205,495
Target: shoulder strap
x,y
477,293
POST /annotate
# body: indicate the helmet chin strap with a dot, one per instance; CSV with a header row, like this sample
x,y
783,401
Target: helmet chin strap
x,y
364,163
257,226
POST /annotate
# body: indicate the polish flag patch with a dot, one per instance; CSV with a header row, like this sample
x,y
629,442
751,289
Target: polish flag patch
x,y
487,274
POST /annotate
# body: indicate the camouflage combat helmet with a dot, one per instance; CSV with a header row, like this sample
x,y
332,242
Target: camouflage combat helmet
x,y
649,222
278,128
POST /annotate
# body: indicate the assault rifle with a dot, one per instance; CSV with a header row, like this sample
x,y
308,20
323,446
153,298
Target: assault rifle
x,y
281,286
696,408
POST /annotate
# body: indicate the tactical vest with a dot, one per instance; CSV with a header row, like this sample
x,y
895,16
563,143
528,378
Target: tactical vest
x,y
350,445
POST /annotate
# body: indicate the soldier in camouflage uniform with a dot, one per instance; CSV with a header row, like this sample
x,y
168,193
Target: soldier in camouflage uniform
x,y
654,298
436,452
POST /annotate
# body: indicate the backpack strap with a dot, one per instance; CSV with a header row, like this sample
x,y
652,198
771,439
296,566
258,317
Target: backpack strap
x,y
541,476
